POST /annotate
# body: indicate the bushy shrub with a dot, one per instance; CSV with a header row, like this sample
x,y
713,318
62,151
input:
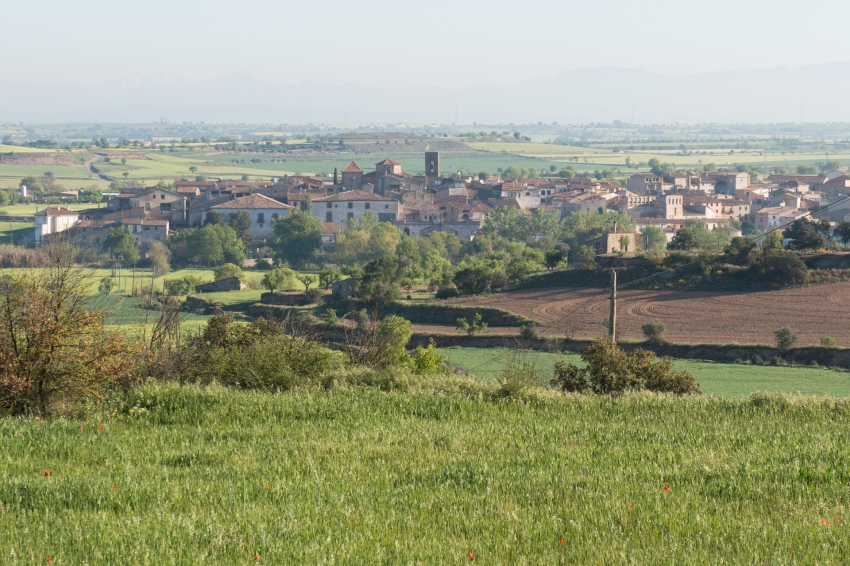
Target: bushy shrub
x,y
827,342
785,338
428,361
447,292
530,331
263,264
313,295
227,271
182,286
255,356
518,378
612,371
654,330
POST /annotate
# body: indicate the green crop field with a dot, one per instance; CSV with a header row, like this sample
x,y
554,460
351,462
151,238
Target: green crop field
x,y
170,475
19,149
723,380
31,209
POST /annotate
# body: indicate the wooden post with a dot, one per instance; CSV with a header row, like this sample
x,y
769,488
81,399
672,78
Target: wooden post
x,y
612,317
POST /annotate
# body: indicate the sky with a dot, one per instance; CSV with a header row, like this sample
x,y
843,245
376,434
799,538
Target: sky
x,y
454,43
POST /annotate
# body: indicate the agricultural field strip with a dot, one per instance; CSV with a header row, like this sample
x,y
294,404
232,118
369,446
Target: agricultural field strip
x,y
690,316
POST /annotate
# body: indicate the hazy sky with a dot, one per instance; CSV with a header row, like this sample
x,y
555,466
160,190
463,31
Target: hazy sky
x,y
439,42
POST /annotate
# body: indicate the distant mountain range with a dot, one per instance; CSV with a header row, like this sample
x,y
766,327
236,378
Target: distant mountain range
x,y
601,94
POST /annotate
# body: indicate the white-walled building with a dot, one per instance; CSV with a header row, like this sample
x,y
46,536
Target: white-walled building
x,y
262,209
352,205
53,220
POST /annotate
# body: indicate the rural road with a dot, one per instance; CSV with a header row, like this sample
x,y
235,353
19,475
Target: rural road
x,y
88,165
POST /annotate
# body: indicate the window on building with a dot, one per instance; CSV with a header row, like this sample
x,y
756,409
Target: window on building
x,y
165,207
275,216
162,197
261,217
368,205
147,206
330,205
147,227
351,216
351,205
387,206
329,217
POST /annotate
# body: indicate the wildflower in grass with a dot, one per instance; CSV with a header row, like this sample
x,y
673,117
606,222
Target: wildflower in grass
x,y
470,556
114,486
49,559
837,521
561,542
38,420
46,473
631,506
80,427
100,428
666,488
267,486
256,558
824,522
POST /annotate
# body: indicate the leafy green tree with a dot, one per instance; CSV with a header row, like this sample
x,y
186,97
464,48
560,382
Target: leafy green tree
x,y
476,276
307,280
280,278
241,224
581,227
773,241
654,238
121,244
297,238
328,277
209,245
695,235
105,286
483,176
806,235
843,231
785,338
227,271
381,281
472,325
428,361
160,258
214,217
553,258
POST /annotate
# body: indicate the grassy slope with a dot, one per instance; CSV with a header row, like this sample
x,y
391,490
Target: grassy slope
x,y
360,476
724,380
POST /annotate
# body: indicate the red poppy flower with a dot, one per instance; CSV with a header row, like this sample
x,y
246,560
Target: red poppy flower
x,y
114,486
256,558
100,428
666,488
80,427
49,559
631,506
824,522
267,486
46,473
837,521
470,556
561,542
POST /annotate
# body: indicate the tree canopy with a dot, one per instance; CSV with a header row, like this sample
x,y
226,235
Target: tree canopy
x,y
297,238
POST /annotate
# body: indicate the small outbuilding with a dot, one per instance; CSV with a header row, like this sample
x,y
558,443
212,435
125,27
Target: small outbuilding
x,y
229,284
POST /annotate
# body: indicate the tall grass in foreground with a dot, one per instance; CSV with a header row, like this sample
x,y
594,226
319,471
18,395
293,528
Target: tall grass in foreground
x,y
358,476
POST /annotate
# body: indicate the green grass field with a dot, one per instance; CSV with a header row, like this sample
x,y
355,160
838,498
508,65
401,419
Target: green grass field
x,y
358,476
723,380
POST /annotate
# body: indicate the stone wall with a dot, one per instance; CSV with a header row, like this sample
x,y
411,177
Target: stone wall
x,y
229,284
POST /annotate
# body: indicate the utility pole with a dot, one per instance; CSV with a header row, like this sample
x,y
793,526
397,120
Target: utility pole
x,y
612,317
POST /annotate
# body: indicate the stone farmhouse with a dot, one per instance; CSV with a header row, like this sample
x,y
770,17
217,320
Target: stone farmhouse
x,y
262,210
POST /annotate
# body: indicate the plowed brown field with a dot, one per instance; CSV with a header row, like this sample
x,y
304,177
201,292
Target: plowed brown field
x,y
691,317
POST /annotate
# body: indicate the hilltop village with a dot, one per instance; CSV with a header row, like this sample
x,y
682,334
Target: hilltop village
x,y
420,204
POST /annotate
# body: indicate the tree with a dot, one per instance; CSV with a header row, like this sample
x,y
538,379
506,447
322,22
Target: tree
x,y
696,235
54,346
160,258
654,330
777,267
241,224
297,237
477,276
785,338
806,235
843,231
483,176
624,243
471,325
193,169
209,245
121,244
654,238
381,281
773,240
307,280
553,258
328,277
585,257
227,271
214,217
105,286
280,278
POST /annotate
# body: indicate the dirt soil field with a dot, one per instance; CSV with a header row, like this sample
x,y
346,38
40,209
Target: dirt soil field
x,y
691,317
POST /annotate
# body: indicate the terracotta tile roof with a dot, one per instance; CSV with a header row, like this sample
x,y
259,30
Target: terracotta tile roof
x,y
387,162
252,201
180,184
57,211
352,196
94,224
143,222
352,168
